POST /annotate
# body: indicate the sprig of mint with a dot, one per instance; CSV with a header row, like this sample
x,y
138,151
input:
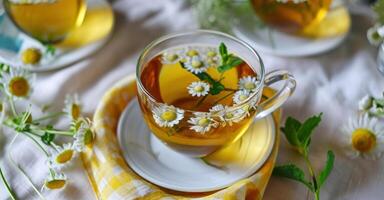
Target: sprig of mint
x,y
228,61
298,135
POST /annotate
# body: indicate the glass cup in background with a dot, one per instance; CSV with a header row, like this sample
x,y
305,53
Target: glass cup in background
x,y
48,21
291,16
182,139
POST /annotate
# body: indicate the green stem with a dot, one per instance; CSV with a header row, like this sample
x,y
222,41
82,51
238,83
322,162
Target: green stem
x,y
200,101
9,189
13,108
313,175
49,116
56,132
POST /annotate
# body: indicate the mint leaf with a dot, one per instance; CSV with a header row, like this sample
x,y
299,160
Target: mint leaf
x,y
290,131
223,52
293,172
306,129
232,61
327,168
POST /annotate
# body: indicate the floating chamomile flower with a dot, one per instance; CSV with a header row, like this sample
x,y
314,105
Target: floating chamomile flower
x,y
240,96
248,83
72,106
364,136
55,181
17,83
217,108
365,103
61,156
202,123
375,34
212,57
196,65
167,116
198,89
192,52
83,136
172,56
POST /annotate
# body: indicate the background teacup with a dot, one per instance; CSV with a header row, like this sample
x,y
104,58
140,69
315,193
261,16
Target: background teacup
x,y
167,106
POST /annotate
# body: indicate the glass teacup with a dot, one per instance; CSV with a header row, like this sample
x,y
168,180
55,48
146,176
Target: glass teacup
x,y
48,21
200,90
292,16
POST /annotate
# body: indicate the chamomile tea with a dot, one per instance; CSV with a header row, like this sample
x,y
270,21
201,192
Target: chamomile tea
x,y
198,95
46,20
291,16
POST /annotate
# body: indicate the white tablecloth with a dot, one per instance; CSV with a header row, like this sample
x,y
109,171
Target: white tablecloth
x,y
331,83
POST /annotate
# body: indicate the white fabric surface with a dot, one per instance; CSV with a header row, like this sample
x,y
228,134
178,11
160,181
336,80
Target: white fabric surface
x,y
331,83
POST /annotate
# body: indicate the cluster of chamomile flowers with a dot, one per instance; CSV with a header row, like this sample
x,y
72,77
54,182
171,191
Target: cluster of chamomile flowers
x,y
364,133
16,84
198,60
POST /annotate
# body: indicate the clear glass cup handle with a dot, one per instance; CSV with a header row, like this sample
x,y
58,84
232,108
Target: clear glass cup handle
x,y
274,102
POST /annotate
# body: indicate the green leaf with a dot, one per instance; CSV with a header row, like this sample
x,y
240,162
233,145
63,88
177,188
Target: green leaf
x,y
327,168
232,61
223,52
293,172
290,131
306,129
47,138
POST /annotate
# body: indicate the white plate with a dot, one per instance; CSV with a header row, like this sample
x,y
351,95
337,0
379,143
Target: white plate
x,y
274,42
157,163
63,58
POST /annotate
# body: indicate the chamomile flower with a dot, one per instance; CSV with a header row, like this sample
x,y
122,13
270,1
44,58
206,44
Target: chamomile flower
x,y
31,56
72,106
217,108
202,123
365,103
248,83
83,136
196,65
212,56
61,156
172,56
55,181
167,116
198,89
17,83
364,136
375,34
240,96
234,116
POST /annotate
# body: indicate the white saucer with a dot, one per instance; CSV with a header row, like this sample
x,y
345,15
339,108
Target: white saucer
x,y
274,42
157,163
63,57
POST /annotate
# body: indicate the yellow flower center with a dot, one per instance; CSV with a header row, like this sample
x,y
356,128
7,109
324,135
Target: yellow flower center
x,y
243,97
64,156
192,53
168,116
228,115
88,137
31,56
211,54
249,85
363,140
203,122
197,64
55,184
199,88
172,57
19,86
75,111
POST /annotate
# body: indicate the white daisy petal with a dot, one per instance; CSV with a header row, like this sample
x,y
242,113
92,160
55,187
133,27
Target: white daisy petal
x,y
18,82
61,156
167,116
240,96
202,123
364,136
198,89
365,103
196,65
248,83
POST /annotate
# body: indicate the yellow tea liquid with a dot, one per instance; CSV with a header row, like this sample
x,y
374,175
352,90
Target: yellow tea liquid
x,y
47,22
291,17
168,83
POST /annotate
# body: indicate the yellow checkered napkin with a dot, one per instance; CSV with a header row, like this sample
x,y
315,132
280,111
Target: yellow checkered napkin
x,y
111,177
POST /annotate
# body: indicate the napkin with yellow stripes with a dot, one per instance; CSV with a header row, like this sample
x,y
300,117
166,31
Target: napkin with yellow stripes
x,y
111,177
